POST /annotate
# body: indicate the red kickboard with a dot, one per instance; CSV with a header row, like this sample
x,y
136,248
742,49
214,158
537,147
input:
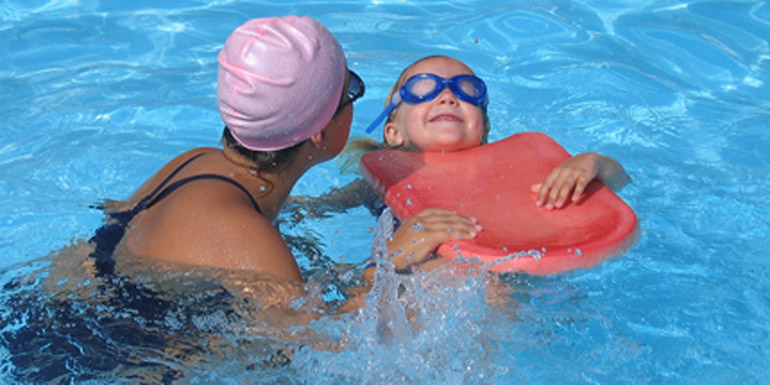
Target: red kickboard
x,y
493,183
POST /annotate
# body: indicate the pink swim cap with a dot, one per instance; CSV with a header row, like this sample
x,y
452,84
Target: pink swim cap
x,y
280,81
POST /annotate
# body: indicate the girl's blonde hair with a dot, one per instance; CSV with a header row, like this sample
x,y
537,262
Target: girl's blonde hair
x,y
359,146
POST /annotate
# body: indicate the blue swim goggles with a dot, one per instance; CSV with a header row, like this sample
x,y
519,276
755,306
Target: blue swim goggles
x,y
425,87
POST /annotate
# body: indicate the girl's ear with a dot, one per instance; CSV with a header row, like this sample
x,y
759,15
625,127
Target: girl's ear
x,y
393,137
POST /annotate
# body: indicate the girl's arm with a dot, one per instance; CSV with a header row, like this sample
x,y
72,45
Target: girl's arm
x,y
569,179
421,235
413,242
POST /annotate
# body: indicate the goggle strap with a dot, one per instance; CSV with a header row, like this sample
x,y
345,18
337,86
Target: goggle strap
x,y
380,118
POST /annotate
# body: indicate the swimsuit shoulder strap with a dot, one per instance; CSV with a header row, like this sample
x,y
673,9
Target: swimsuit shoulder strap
x,y
143,203
173,186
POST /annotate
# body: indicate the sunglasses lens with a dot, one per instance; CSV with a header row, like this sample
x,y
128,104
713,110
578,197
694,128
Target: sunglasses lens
x,y
355,91
355,87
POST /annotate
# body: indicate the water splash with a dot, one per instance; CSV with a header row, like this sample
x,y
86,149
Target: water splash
x,y
433,327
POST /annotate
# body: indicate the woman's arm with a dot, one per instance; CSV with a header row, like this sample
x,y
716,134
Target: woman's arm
x,y
337,200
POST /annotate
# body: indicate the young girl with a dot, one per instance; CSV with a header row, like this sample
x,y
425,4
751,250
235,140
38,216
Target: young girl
x,y
438,104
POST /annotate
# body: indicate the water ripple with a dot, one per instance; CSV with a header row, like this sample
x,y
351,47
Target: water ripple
x,y
96,95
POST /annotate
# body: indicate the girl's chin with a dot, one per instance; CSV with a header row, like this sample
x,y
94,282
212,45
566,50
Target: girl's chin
x,y
447,147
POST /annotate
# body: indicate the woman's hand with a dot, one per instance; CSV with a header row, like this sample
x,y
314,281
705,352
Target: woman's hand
x,y
413,242
569,179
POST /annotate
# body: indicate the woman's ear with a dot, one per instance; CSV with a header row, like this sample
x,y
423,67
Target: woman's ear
x,y
319,140
393,137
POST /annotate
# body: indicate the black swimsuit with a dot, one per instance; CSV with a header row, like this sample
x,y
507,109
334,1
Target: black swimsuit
x,y
107,237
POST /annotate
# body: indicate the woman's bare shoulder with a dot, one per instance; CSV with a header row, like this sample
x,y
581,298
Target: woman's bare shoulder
x,y
214,227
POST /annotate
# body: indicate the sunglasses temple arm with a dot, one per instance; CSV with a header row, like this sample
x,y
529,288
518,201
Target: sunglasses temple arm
x,y
380,118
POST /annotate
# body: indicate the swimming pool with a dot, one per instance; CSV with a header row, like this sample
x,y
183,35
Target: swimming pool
x,y
97,95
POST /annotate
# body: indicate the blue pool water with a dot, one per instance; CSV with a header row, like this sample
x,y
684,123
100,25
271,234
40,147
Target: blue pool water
x,y
96,95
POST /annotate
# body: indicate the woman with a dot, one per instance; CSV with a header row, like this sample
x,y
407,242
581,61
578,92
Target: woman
x,y
285,95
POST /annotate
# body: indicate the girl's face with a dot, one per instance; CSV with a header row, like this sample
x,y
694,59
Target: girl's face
x,y
445,123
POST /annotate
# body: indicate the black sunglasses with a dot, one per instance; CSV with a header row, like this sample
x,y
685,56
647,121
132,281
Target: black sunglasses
x,y
355,90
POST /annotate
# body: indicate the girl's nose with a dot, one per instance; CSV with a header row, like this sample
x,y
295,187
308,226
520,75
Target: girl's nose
x,y
447,96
